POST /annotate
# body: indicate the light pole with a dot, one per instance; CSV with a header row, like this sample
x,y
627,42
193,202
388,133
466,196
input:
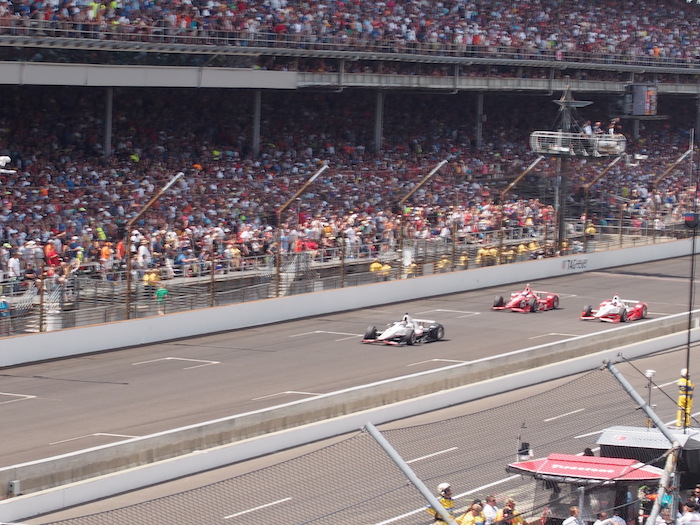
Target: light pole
x,y
407,196
280,210
130,225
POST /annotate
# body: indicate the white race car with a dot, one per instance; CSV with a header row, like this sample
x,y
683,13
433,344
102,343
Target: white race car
x,y
407,331
616,310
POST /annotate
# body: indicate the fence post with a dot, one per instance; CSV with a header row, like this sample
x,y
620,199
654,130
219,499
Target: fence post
x,y
406,469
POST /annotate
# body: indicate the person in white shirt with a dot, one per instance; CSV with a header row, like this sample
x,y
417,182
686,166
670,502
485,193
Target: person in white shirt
x,y
690,514
14,271
573,516
490,510
603,519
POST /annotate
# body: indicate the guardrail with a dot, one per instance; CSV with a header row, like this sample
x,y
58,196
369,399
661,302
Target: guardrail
x,y
67,33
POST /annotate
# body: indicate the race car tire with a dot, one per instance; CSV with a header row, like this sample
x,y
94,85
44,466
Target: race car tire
x,y
623,316
410,337
437,332
371,332
533,304
555,302
498,301
588,311
644,312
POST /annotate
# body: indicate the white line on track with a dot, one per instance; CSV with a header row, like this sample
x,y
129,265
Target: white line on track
x,y
202,362
326,332
256,508
563,415
466,313
97,434
432,455
18,397
665,384
286,393
589,434
552,334
672,424
436,361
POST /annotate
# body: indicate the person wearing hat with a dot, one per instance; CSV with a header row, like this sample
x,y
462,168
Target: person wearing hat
x,y
4,307
444,496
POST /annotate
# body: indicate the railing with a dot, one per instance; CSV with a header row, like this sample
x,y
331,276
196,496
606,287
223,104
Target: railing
x,y
577,144
95,295
124,37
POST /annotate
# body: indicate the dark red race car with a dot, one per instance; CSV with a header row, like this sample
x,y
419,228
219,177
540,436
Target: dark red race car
x,y
528,300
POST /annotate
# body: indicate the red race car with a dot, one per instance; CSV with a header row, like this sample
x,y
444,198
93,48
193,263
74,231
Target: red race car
x,y
616,310
527,300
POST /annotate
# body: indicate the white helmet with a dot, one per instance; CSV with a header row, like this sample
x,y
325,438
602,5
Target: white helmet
x,y
442,487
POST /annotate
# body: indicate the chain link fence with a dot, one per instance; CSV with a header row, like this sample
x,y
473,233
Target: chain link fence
x,y
91,295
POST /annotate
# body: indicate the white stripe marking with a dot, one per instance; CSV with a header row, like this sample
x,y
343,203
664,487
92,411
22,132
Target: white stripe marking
x,y
432,455
564,415
257,508
98,434
666,384
203,361
19,397
553,334
589,434
326,332
436,361
288,392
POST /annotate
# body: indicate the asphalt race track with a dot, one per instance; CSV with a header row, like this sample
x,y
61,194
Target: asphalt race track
x,y
73,404
455,444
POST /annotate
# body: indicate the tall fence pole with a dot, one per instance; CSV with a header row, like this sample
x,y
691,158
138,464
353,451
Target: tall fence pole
x,y
415,480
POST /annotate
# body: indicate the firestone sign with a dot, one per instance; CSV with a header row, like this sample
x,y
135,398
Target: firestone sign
x,y
574,265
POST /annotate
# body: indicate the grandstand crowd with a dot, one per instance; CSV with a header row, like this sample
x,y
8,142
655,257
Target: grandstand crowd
x,y
68,202
669,28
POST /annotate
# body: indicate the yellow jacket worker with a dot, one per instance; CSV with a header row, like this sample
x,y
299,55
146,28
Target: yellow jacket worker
x,y
445,498
685,399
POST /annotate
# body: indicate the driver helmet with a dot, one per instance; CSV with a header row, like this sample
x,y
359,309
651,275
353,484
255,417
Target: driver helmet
x,y
442,487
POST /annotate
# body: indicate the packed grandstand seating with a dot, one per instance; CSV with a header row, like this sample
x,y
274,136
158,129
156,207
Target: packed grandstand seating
x,y
667,29
66,187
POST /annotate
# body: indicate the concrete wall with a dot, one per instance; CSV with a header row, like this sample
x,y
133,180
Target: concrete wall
x,y
96,75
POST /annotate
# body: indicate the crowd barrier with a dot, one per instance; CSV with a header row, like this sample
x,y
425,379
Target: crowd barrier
x,y
96,294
